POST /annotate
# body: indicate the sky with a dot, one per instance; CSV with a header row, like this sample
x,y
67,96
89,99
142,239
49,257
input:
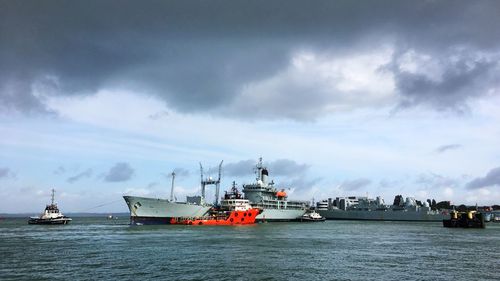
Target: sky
x,y
99,99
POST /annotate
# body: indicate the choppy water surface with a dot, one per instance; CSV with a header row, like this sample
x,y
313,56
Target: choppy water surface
x,y
100,249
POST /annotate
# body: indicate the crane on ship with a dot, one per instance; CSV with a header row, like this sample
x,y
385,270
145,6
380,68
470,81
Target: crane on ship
x,y
211,181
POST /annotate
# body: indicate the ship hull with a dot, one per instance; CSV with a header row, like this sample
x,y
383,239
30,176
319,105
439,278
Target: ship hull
x,y
233,218
49,221
145,210
311,220
381,215
136,220
276,215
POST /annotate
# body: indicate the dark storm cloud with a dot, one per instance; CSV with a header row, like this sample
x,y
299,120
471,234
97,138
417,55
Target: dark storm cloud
x,y
460,82
447,147
200,55
17,94
492,178
355,184
119,172
79,176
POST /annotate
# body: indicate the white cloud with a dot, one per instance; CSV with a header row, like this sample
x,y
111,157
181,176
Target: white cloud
x,y
448,192
315,84
420,63
121,108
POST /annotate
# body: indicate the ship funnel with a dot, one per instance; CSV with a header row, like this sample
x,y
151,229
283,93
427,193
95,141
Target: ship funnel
x,y
264,176
261,173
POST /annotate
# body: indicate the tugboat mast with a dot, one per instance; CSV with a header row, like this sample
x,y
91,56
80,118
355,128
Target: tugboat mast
x,y
52,201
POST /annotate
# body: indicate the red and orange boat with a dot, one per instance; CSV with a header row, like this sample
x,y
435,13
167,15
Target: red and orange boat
x,y
234,211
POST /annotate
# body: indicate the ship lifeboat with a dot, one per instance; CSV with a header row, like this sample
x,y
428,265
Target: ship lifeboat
x,y
281,194
224,218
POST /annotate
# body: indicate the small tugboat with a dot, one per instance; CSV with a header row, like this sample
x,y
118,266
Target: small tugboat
x,y
470,219
311,217
51,215
234,210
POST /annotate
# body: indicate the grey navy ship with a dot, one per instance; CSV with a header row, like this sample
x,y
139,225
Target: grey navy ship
x,y
273,201
364,208
146,210
261,194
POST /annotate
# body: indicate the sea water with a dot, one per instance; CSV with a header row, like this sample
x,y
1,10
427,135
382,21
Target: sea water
x,y
101,249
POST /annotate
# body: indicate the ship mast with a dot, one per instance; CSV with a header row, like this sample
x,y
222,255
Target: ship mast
x,y
172,189
217,185
202,183
259,169
53,191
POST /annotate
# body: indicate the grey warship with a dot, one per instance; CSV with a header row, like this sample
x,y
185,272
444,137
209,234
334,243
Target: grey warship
x,y
273,201
146,210
364,208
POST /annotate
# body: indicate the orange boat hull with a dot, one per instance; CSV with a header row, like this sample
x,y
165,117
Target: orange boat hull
x,y
231,218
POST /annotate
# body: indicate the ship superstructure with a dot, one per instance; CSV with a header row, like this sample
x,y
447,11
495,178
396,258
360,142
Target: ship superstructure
x,y
273,201
364,208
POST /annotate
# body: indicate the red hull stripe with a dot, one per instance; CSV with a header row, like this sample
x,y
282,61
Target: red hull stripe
x,y
231,218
